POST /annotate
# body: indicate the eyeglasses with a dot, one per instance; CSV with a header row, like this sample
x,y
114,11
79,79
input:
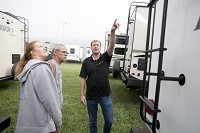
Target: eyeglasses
x,y
64,52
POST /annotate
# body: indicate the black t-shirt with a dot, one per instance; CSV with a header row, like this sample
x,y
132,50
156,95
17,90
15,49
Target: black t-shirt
x,y
96,73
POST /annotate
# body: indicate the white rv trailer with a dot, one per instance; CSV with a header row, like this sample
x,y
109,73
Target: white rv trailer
x,y
73,53
172,96
78,53
88,52
133,64
49,46
14,36
118,53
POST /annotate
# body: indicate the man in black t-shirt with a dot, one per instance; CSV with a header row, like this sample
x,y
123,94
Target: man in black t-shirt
x,y
94,72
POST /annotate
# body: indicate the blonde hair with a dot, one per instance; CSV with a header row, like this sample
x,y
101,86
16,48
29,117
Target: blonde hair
x,y
26,57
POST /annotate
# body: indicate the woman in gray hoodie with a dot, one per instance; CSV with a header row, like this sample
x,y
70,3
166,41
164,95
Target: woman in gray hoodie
x,y
39,110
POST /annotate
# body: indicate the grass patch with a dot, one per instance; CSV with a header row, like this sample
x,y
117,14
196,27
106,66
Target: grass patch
x,y
126,104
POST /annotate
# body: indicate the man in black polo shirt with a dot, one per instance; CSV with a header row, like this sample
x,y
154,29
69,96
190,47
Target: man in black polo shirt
x,y
94,72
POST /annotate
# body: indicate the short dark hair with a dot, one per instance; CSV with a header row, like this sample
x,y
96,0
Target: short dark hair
x,y
95,41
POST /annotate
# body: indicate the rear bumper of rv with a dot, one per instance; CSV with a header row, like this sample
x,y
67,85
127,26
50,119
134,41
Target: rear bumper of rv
x,y
130,81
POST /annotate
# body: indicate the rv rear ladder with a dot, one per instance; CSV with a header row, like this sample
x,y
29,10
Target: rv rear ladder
x,y
155,124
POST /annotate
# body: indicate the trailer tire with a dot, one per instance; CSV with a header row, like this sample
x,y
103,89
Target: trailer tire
x,y
13,71
116,69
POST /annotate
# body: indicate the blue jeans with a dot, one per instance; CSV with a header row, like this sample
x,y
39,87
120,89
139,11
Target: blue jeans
x,y
107,110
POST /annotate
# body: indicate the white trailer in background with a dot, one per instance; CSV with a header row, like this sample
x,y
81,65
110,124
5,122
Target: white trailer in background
x,y
49,46
81,54
13,38
133,62
78,53
170,102
75,53
87,52
118,53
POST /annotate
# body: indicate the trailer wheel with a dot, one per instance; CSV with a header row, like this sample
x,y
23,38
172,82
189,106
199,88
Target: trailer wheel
x,y
116,69
13,70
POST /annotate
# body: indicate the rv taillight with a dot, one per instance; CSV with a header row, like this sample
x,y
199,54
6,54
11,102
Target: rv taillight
x,y
148,109
128,70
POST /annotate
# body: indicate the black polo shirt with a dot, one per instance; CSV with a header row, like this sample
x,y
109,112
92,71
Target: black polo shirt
x,y
96,73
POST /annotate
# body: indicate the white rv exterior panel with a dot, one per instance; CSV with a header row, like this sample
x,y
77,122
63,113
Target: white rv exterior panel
x,y
139,40
11,42
118,45
73,52
81,52
179,104
129,47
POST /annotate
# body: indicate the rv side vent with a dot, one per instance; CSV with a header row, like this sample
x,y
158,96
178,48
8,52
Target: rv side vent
x,y
15,58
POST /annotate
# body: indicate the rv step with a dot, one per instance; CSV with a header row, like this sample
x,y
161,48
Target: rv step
x,y
149,104
4,122
136,130
153,74
154,50
141,56
131,82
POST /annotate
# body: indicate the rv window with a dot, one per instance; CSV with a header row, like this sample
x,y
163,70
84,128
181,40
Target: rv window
x,y
120,41
119,51
72,50
88,51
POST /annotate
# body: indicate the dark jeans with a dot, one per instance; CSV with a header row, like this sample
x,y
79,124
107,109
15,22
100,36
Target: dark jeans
x,y
107,110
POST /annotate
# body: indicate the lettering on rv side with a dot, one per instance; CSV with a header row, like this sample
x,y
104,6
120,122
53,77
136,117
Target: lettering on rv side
x,y
6,28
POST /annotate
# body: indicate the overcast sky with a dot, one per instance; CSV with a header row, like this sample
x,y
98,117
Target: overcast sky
x,y
85,19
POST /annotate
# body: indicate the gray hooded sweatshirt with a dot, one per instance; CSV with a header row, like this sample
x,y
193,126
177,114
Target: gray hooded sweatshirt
x,y
39,110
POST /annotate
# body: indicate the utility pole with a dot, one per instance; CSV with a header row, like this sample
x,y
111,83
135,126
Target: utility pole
x,y
63,31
